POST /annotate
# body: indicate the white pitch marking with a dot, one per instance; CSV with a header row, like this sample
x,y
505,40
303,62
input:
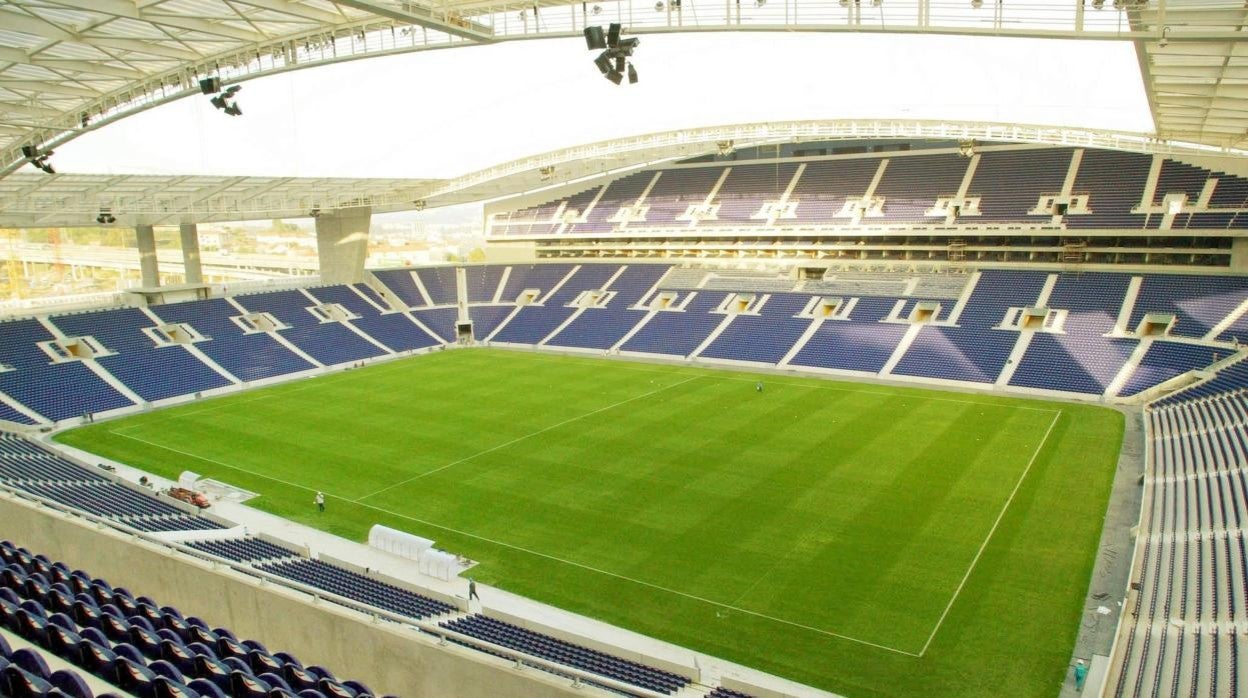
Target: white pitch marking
x,y
522,549
991,531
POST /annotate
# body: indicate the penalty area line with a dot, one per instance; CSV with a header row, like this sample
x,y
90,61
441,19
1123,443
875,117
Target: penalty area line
x,y
546,556
983,546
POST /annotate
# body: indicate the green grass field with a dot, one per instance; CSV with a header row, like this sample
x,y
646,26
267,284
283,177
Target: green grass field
x,y
864,539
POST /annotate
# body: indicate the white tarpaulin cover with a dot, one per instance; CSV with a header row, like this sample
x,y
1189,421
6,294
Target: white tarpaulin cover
x,y
398,542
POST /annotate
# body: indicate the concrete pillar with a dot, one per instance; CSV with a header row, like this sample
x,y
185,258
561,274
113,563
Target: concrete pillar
x,y
342,244
190,253
1239,254
148,266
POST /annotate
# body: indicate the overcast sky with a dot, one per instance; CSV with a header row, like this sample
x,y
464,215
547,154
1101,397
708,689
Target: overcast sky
x,y
447,112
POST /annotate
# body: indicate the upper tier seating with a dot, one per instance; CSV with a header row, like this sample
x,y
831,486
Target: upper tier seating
x,y
1008,183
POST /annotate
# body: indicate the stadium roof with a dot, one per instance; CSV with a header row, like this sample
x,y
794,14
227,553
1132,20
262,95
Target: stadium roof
x,y
70,66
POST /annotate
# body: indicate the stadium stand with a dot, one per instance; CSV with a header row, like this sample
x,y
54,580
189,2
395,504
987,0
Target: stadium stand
x,y
155,373
679,332
154,651
515,637
1190,579
603,328
1087,346
248,357
329,342
1081,358
764,338
395,331
56,391
30,468
327,577
975,351
1007,185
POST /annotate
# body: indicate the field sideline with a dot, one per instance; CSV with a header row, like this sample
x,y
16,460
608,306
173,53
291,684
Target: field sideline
x,y
865,539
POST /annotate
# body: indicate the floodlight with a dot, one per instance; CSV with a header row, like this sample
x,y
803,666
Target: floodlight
x,y
594,38
232,90
629,45
613,34
218,102
632,74
615,76
619,64
30,152
233,110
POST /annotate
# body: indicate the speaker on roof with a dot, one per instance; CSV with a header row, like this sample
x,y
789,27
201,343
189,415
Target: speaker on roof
x,y
210,85
594,38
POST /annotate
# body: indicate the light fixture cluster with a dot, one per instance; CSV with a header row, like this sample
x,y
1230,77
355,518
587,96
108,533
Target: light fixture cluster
x,y
106,217
37,158
614,61
225,100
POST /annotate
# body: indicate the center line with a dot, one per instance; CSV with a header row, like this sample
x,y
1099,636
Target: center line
x,y
522,438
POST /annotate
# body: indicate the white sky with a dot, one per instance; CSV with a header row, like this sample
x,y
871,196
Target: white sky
x,y
447,112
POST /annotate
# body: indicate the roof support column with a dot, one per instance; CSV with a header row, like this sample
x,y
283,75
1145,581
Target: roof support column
x,y
190,253
148,266
342,244
1239,254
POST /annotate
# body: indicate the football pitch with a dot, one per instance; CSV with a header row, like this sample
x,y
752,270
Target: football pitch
x,y
865,539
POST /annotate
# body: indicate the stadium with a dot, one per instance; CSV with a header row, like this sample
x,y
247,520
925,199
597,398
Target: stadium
x,y
750,403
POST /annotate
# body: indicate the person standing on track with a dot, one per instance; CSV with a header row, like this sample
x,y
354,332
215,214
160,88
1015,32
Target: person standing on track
x,y
1081,674
472,590
319,500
